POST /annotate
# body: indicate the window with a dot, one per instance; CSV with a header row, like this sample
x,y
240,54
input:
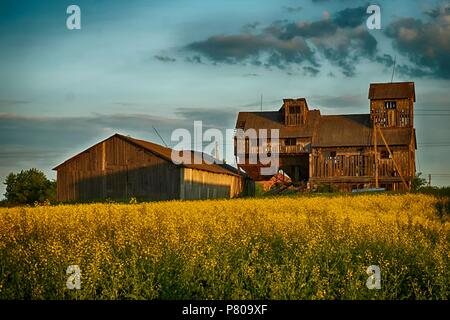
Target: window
x,y
330,155
290,141
294,109
390,104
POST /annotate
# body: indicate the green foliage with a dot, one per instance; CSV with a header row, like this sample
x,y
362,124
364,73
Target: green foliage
x,y
28,187
418,182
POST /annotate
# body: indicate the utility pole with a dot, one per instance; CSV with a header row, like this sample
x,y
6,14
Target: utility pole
x,y
429,179
261,101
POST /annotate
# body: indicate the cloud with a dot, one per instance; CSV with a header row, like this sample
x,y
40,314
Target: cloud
x,y
311,71
250,27
343,40
241,48
425,43
164,58
385,59
194,59
350,17
293,9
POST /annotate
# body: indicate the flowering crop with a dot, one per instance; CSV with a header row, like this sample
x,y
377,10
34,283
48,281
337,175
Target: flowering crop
x,y
269,248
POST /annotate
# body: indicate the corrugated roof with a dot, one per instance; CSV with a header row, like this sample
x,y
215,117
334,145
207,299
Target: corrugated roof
x,y
166,153
274,120
393,90
355,130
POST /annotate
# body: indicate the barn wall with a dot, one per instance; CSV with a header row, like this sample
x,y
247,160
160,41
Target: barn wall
x,y
354,168
117,169
404,112
197,184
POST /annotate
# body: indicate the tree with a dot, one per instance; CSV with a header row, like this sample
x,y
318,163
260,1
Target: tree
x,y
28,187
418,182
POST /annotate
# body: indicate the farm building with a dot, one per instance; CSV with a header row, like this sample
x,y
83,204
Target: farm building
x,y
122,167
353,151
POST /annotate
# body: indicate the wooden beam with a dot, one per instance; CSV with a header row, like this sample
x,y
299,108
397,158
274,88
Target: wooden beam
x,y
375,153
392,156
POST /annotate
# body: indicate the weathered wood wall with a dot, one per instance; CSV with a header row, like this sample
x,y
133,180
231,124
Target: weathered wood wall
x,y
117,169
350,166
404,112
197,184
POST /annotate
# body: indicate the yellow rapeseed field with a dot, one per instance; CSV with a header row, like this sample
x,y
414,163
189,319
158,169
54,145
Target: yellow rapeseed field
x,y
268,248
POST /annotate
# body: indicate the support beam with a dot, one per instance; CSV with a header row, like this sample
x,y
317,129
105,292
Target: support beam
x,y
393,160
375,153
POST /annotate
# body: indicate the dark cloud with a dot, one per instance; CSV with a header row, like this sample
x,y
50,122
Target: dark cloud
x,y
251,75
164,58
385,59
350,17
243,47
342,39
426,44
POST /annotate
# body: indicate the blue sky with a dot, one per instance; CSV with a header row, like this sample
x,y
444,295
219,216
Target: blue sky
x,y
139,64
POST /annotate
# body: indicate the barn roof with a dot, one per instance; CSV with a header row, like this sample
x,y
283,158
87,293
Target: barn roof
x,y
274,120
166,154
355,130
393,90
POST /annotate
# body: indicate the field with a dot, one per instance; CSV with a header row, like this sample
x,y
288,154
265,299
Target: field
x,y
269,248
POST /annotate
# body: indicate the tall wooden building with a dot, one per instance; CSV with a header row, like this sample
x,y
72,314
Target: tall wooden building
x,y
352,151
122,167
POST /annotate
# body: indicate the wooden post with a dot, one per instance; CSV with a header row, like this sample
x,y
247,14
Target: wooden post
x,y
375,153
393,160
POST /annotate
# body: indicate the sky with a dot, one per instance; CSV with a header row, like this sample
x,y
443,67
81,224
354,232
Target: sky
x,y
138,65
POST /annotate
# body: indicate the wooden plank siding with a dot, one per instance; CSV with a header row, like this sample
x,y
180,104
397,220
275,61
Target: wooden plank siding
x,y
117,169
197,184
356,165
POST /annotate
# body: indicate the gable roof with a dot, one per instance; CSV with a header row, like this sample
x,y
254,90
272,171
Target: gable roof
x,y
166,154
274,120
393,90
355,130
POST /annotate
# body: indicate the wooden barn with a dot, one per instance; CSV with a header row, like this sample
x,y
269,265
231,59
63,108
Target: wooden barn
x,y
122,167
353,151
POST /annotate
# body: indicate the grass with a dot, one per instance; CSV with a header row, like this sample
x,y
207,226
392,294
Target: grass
x,y
267,248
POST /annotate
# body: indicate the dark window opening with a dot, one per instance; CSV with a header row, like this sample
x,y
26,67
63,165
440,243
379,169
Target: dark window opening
x,y
390,104
290,141
294,109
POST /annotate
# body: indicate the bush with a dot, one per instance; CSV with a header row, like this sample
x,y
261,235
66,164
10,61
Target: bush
x,y
28,187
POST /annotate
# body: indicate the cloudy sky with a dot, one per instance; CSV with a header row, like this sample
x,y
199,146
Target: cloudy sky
x,y
137,64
